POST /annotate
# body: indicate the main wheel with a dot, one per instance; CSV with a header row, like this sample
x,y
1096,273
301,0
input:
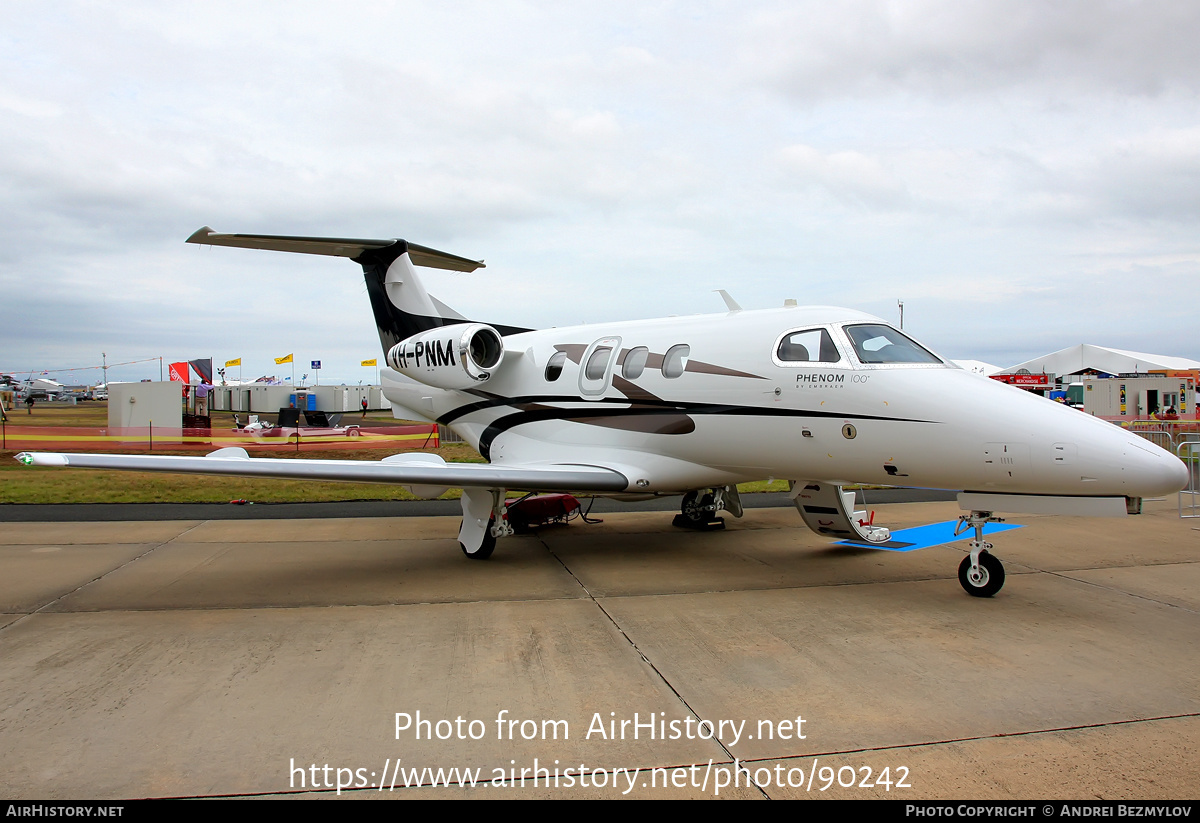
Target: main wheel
x,y
486,548
987,581
696,508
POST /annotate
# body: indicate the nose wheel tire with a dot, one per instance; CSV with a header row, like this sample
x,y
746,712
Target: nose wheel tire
x,y
984,581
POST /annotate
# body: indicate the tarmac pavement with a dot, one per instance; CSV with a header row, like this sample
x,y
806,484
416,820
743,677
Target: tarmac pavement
x,y
206,658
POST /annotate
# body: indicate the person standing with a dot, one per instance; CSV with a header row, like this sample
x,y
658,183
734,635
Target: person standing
x,y
364,408
29,403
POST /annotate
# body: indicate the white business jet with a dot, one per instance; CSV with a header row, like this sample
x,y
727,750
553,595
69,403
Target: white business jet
x,y
695,405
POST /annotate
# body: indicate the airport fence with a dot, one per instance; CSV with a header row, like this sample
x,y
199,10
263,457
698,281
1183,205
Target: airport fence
x,y
1156,435
1189,453
1173,426
1165,433
1182,438
149,438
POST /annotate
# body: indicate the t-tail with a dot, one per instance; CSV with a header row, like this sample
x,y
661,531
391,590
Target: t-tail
x,y
399,300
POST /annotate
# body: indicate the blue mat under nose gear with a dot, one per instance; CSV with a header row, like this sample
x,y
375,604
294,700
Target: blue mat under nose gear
x,y
922,537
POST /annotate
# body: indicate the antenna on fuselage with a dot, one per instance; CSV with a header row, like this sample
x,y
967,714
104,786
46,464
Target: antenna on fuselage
x,y
730,303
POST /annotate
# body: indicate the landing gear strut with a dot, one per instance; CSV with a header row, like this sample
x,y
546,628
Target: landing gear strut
x,y
699,508
980,574
485,518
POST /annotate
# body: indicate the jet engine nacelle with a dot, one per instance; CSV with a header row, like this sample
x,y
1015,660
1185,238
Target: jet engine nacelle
x,y
451,357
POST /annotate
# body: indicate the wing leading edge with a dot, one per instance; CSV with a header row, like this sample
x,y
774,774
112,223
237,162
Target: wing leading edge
x,y
405,470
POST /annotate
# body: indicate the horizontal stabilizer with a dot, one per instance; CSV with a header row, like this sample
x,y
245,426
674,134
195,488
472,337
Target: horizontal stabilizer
x,y
334,247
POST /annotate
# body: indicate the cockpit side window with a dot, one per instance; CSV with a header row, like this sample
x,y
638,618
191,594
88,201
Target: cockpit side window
x,y
554,366
882,344
810,346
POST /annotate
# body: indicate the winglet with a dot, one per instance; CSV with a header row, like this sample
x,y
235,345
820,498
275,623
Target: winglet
x,y
42,459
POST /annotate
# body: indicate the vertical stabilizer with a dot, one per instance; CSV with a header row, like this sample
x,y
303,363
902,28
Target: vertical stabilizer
x,y
399,300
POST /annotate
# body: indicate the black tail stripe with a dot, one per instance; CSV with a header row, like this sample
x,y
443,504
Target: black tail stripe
x,y
393,323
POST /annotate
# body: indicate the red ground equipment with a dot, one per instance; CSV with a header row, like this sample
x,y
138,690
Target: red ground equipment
x,y
533,511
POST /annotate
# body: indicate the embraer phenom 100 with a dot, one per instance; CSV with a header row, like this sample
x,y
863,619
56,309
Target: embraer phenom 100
x,y
695,405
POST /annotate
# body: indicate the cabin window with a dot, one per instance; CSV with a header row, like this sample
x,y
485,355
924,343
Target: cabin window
x,y
635,363
596,367
675,360
883,344
597,363
811,346
554,366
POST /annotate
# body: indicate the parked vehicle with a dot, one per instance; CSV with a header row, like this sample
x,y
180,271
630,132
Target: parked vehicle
x,y
319,425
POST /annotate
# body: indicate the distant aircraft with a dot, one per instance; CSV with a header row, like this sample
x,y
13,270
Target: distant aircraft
x,y
42,388
821,396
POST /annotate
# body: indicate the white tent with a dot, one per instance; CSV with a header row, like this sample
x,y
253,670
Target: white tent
x,y
977,367
1084,357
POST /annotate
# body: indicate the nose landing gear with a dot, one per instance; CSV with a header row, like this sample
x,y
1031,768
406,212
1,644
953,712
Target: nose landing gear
x,y
980,574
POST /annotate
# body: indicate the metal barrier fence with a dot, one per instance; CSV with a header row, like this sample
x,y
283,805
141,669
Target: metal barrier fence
x,y
1156,435
448,435
1189,452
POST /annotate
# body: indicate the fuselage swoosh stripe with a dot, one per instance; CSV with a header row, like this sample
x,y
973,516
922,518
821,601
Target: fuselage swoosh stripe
x,y
582,415
598,408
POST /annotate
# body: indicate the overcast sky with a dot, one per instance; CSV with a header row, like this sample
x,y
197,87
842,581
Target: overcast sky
x,y
1024,176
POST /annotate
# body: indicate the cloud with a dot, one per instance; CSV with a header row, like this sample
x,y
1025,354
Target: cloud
x,y
608,162
849,176
871,47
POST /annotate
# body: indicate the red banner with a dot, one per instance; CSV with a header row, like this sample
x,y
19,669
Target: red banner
x,y
179,372
1023,379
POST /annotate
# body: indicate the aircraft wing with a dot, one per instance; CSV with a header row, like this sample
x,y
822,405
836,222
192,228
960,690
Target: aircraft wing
x,y
410,469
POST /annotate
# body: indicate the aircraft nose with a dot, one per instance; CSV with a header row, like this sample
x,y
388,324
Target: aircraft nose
x,y
1153,472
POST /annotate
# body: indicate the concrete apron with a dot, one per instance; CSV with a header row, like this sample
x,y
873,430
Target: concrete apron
x,y
205,658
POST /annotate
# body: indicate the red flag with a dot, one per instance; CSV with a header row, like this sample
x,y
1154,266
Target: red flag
x,y
179,371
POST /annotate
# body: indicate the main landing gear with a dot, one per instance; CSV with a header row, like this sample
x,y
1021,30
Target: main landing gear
x,y
980,574
485,518
486,546
699,508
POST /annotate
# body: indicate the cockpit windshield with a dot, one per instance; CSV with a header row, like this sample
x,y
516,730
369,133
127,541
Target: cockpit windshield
x,y
883,344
